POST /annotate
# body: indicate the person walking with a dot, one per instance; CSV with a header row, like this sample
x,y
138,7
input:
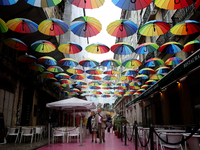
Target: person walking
x,y
101,120
109,123
94,126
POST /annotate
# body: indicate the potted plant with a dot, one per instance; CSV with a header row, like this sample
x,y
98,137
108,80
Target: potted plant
x,y
118,123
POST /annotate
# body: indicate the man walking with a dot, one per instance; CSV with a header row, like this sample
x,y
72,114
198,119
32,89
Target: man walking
x,y
101,125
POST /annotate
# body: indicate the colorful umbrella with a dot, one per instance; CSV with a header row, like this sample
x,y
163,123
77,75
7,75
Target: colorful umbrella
x,y
74,90
43,3
85,26
197,5
22,25
85,94
171,47
154,28
87,4
68,62
70,48
55,69
122,83
122,49
47,74
65,85
147,71
78,77
129,72
108,83
162,70
65,81
79,82
95,87
82,86
88,63
97,48
132,4
94,83
122,28
173,4
135,83
96,92
153,62
150,82
127,95
173,61
192,46
94,71
156,77
145,86
117,95
131,63
3,27
51,79
105,95
120,88
110,63
119,92
84,91
110,77
131,92
75,70
137,93
65,93
134,87
37,67
43,46
111,71
53,27
107,88
95,95
94,77
146,48
15,44
62,76
57,84
108,92
47,60
27,59
8,2
141,77
186,27
141,90
126,78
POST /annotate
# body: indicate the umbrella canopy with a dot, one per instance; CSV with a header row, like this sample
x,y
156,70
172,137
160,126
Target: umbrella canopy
x,y
145,86
146,48
82,86
47,60
122,49
70,48
78,77
120,87
173,61
108,83
162,70
55,69
84,91
135,83
129,72
142,77
8,2
134,87
87,4
171,47
126,78
94,71
117,95
110,77
122,28
131,63
156,77
47,74
186,27
150,82
127,95
65,81
94,83
173,4
111,71
74,90
110,63
94,77
43,3
119,92
141,90
130,91
197,5
66,85
43,46
154,28
57,84
153,62
108,92
65,93
95,95
68,62
96,92
75,70
97,48
147,71
3,27
88,63
192,46
95,87
107,88
53,27
85,26
15,44
62,76
122,83
27,59
80,82
132,4
22,25
105,95
37,67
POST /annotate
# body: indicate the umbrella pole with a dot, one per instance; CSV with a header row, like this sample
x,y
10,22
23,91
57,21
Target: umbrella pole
x,y
49,137
81,128
74,117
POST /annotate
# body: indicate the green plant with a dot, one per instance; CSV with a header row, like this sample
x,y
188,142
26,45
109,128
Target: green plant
x,y
119,121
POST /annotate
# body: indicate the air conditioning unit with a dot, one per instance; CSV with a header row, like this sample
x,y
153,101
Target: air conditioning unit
x,y
153,12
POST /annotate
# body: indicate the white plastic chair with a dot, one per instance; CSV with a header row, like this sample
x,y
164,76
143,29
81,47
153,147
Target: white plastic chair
x,y
74,133
14,131
27,132
38,132
172,138
58,133
193,142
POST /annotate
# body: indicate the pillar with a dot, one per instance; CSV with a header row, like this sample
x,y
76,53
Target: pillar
x,y
165,107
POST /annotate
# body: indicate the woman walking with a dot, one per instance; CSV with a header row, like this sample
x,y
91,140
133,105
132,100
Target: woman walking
x,y
94,126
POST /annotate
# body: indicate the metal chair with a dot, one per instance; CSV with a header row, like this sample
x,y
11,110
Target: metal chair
x,y
27,132
14,131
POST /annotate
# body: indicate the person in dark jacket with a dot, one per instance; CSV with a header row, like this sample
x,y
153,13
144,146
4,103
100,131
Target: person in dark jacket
x,y
89,124
109,123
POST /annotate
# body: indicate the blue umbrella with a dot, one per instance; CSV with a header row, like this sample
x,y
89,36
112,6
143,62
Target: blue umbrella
x,y
146,48
8,2
122,49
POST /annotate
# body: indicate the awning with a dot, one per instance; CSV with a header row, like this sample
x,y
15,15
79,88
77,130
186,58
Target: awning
x,y
187,65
